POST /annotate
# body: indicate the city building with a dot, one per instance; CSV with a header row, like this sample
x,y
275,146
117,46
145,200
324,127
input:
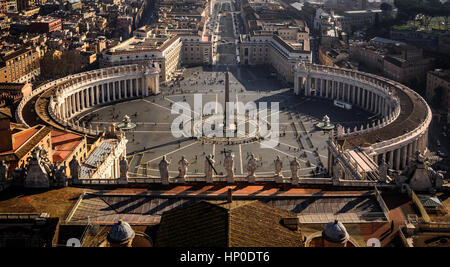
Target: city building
x,y
19,65
45,25
10,93
273,50
355,19
410,65
157,50
438,87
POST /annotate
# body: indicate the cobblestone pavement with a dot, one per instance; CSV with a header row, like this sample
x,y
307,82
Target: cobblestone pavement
x,y
152,138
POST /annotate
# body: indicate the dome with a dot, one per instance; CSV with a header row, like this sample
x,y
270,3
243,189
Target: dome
x,y
335,232
120,233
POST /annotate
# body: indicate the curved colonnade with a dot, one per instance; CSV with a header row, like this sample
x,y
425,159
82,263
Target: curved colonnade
x,y
404,115
78,93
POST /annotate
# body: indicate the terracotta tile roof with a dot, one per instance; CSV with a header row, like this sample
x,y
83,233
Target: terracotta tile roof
x,y
63,144
61,137
59,156
32,142
220,224
26,140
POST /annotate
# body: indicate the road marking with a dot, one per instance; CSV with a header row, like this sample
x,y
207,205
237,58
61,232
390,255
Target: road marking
x,y
176,150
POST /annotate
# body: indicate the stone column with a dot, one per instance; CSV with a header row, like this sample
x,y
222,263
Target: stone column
x,y
333,88
404,157
97,98
308,86
76,102
113,87
358,96
397,159
83,99
391,159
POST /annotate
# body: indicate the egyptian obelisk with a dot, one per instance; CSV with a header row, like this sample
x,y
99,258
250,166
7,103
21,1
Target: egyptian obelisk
x,y
227,99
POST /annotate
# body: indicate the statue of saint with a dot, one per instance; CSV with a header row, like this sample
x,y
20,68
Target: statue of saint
x,y
295,165
278,167
123,168
3,171
164,170
74,167
228,163
182,167
251,168
209,163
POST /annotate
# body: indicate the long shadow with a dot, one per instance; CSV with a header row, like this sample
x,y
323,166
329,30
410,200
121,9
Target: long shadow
x,y
165,144
170,202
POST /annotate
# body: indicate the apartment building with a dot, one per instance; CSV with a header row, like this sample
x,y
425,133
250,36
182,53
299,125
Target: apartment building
x,y
196,50
273,50
439,78
161,51
19,66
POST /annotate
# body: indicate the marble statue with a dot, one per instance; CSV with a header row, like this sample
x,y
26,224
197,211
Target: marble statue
x,y
3,171
74,167
251,168
209,163
59,175
164,170
228,163
123,164
37,175
295,165
326,120
182,168
278,167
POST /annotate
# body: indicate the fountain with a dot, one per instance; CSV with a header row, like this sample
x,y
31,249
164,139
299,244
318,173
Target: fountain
x,y
126,124
325,124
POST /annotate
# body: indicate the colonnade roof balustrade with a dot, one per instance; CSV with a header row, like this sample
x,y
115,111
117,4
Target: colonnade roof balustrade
x,y
73,83
414,117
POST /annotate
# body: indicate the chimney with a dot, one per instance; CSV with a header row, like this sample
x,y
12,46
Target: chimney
x,y
229,195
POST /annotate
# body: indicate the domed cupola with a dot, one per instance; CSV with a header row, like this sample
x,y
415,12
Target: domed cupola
x,y
121,233
335,232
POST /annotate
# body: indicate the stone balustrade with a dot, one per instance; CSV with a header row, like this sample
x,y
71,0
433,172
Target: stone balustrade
x,y
80,92
377,95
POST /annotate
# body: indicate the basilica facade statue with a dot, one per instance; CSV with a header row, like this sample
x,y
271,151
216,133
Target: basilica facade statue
x,y
209,163
295,165
182,168
251,168
228,163
164,170
278,167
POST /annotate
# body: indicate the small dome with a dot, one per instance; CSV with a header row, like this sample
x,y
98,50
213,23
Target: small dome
x,y
120,233
335,232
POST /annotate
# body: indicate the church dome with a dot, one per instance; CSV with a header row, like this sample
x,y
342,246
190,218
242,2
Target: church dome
x,y
120,233
335,232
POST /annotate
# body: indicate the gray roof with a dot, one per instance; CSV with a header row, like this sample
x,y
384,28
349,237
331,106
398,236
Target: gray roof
x,y
335,232
430,201
95,158
120,233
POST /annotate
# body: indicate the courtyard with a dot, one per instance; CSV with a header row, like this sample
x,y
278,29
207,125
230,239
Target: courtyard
x,y
152,138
